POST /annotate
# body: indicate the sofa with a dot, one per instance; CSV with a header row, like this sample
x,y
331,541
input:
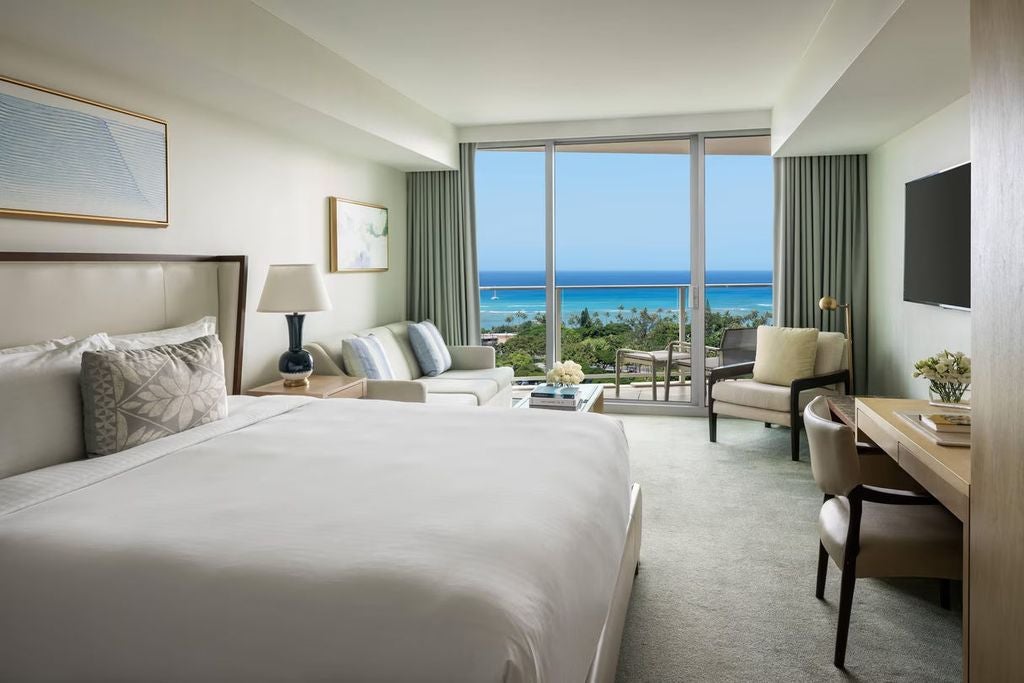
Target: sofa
x,y
473,379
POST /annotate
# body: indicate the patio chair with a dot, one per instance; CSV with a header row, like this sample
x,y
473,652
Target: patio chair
x,y
661,359
739,345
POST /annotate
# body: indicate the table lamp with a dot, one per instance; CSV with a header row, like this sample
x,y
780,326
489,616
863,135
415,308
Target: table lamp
x,y
829,303
294,289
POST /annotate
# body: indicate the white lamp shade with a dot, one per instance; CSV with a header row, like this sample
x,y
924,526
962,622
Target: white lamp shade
x,y
294,288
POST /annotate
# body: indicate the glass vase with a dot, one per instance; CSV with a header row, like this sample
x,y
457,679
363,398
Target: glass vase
x,y
949,394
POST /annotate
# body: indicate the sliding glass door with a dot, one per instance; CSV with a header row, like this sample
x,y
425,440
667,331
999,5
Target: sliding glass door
x,y
622,257
510,210
631,257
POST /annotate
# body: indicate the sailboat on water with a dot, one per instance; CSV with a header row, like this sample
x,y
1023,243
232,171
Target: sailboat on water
x,y
494,294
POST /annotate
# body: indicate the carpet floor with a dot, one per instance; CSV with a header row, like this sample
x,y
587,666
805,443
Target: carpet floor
x,y
727,570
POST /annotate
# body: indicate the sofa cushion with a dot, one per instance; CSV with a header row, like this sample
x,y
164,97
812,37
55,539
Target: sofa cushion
x,y
483,389
395,339
502,377
366,357
748,392
428,345
831,355
784,354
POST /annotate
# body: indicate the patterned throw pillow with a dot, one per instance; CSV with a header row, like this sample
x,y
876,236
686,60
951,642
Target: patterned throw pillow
x,y
431,351
365,357
139,395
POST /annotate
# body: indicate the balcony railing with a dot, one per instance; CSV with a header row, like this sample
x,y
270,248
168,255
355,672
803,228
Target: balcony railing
x,y
682,308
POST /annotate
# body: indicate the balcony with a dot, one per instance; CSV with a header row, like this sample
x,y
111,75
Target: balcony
x,y
597,320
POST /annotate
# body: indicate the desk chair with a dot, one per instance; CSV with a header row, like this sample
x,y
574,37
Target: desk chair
x,y
870,531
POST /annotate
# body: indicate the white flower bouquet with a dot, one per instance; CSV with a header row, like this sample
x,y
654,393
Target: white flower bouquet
x,y
949,374
565,373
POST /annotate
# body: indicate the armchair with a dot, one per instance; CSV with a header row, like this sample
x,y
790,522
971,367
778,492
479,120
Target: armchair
x,y
772,404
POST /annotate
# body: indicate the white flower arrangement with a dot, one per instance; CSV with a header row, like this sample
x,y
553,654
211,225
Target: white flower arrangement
x,y
564,373
949,374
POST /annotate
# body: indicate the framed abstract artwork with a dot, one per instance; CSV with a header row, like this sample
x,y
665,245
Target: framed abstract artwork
x,y
359,236
66,157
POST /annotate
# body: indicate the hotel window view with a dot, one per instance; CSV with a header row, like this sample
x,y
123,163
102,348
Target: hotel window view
x,y
549,341
624,287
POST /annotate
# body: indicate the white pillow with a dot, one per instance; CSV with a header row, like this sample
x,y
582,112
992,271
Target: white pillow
x,y
172,335
784,354
47,345
41,406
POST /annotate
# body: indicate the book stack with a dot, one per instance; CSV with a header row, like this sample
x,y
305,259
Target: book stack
x,y
945,429
556,398
948,422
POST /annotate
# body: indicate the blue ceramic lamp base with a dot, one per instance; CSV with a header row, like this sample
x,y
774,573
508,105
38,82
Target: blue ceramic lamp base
x,y
296,364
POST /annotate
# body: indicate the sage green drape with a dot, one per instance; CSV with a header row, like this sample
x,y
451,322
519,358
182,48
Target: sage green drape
x,y
821,245
443,283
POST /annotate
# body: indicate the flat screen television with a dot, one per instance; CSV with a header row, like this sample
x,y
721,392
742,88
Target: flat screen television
x,y
937,257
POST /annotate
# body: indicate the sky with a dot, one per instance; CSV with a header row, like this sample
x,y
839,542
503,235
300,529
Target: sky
x,y
621,211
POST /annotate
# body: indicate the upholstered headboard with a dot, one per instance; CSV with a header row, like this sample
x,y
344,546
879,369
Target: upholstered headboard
x,y
49,295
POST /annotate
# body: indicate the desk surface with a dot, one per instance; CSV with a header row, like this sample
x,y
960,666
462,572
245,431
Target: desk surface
x,y
953,464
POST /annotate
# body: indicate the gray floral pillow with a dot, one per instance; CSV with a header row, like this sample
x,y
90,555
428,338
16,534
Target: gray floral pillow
x,y
136,396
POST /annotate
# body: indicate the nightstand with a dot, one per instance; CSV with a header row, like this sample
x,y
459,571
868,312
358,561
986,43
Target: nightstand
x,y
320,386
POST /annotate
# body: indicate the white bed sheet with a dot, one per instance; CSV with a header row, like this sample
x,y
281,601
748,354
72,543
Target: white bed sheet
x,y
320,540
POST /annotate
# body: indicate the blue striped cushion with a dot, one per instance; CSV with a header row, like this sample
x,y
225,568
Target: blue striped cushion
x,y
430,349
365,357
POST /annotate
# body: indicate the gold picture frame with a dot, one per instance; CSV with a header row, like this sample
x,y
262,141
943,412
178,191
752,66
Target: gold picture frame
x,y
360,236
114,162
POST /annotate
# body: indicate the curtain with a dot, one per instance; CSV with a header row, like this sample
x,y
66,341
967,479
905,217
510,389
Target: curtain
x,y
821,245
443,283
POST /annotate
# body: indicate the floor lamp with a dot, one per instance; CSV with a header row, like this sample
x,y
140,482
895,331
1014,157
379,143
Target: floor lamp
x,y
829,303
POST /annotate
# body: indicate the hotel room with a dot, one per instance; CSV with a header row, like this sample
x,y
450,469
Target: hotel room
x,y
769,255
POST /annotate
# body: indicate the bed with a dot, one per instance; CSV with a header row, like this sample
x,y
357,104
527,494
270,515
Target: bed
x,y
302,539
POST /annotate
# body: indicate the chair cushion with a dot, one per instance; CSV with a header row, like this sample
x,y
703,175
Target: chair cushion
x,y
749,392
896,540
502,377
483,389
784,354
366,357
831,355
431,351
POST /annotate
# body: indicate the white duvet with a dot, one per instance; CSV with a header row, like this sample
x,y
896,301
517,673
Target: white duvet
x,y
320,541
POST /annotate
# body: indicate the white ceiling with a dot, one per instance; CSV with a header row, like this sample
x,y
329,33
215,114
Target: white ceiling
x,y
477,62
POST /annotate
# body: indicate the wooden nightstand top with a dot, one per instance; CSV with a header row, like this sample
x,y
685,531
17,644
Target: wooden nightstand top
x,y
320,386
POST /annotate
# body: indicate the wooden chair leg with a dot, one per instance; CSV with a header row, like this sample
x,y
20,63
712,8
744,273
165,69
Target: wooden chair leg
x,y
712,425
794,442
618,374
654,382
849,579
819,590
945,593
767,425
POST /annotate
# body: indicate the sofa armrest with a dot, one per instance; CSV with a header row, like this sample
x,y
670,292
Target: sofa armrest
x,y
472,357
396,390
323,364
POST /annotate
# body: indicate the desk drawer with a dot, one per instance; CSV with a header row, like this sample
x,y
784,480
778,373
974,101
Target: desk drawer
x,y
882,437
954,500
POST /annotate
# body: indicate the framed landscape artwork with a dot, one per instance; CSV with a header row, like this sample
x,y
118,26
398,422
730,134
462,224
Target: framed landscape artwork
x,y
359,236
65,157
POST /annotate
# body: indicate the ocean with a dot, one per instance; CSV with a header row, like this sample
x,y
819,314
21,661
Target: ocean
x,y
497,305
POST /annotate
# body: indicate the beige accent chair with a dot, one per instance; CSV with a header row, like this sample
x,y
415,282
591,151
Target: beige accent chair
x,y
728,394
870,531
473,379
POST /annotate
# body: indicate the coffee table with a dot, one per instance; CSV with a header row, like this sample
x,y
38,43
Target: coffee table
x,y
593,400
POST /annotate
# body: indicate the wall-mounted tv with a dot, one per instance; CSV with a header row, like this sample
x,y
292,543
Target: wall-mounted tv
x,y
937,258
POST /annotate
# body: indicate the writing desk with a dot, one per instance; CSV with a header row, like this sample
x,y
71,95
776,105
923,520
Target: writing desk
x,y
943,471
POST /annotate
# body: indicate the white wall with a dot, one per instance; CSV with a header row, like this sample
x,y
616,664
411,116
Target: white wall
x,y
900,333
234,188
